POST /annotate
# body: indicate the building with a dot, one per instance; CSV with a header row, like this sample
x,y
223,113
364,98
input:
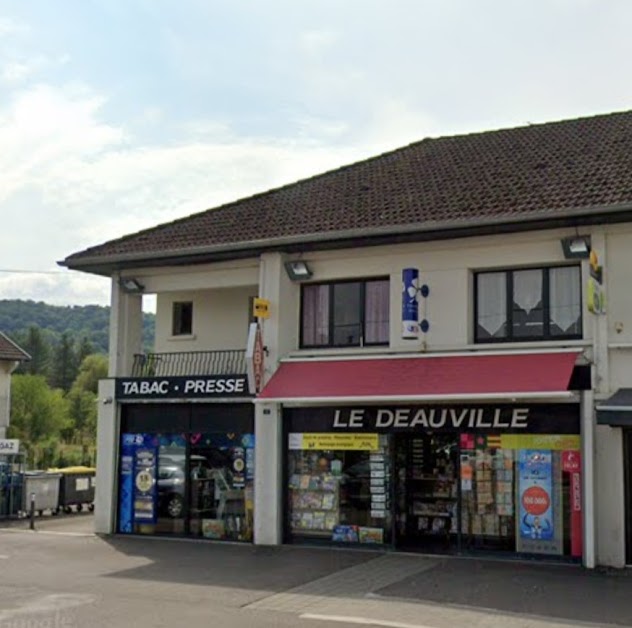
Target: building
x,y
446,332
10,357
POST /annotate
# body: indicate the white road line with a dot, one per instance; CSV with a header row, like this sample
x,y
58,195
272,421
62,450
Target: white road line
x,y
365,621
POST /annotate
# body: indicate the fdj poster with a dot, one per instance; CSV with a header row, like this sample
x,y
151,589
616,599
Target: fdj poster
x,y
145,486
535,485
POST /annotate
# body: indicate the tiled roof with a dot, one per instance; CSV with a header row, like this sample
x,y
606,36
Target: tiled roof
x,y
10,351
536,172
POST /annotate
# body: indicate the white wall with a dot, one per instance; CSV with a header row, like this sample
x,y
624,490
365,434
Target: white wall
x,y
447,268
5,396
220,319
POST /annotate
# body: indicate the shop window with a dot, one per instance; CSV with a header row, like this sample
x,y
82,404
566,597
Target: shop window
x,y
182,318
529,304
222,491
199,484
340,495
345,314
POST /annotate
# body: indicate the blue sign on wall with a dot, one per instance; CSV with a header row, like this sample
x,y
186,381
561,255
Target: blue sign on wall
x,y
410,304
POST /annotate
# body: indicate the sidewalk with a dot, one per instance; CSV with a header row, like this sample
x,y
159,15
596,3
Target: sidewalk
x,y
297,583
305,579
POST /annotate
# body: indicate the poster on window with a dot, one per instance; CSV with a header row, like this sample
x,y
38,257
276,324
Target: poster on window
x,y
535,486
145,486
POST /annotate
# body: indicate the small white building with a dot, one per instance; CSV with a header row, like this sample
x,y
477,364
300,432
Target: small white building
x,y
10,357
444,327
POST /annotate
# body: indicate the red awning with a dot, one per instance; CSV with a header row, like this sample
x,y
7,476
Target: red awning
x,y
422,378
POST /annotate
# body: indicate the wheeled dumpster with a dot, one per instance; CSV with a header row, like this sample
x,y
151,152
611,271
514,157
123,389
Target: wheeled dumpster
x,y
76,488
44,487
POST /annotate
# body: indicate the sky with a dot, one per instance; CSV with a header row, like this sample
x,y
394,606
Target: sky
x,y
117,115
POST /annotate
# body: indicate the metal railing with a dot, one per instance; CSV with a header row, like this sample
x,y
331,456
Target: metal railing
x,y
221,362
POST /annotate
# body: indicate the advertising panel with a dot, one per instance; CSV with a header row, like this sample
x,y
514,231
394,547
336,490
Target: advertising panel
x,y
333,442
535,490
145,486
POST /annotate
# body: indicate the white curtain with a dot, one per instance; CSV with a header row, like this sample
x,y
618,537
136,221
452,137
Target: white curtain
x,y
492,301
376,324
316,315
527,289
565,296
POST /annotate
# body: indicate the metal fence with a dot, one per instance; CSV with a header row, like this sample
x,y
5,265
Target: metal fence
x,y
223,362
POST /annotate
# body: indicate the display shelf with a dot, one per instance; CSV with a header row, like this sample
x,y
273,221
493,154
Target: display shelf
x,y
316,505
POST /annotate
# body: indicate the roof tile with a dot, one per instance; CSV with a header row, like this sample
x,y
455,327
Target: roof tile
x,y
10,351
520,173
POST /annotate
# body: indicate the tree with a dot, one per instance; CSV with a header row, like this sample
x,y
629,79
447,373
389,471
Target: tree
x,y
36,345
82,403
84,350
38,415
64,369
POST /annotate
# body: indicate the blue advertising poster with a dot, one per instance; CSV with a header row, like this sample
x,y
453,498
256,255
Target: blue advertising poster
x,y
145,485
535,489
126,484
410,305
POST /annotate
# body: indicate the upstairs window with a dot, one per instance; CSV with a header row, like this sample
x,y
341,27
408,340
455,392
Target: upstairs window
x,y
345,313
182,318
530,304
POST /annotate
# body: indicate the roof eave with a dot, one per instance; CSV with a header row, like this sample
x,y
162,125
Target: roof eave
x,y
105,265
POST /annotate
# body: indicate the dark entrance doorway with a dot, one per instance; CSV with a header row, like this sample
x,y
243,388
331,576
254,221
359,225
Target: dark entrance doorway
x,y
627,457
426,492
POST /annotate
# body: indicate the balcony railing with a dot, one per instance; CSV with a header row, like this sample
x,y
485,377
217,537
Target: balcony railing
x,y
223,362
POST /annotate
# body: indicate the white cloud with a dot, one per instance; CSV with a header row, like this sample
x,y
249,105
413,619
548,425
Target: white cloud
x,y
42,127
71,181
9,26
58,289
315,42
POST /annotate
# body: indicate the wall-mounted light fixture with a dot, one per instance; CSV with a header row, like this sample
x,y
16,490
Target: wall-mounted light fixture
x,y
298,270
576,247
129,284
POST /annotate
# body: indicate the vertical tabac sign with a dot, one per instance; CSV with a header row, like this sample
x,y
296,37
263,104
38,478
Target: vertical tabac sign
x,y
254,359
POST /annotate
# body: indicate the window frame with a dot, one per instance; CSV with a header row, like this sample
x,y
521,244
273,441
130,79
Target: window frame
x,y
178,318
330,328
546,335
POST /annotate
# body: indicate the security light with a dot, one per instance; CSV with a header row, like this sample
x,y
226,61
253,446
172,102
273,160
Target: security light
x,y
576,247
129,284
298,271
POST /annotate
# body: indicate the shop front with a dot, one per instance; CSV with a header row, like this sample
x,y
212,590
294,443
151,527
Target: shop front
x,y
186,457
437,477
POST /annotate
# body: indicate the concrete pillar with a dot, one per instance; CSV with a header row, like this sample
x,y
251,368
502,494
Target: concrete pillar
x,y
610,497
126,329
280,335
107,453
268,475
588,475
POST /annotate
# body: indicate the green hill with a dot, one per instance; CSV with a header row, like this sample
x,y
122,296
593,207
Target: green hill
x,y
78,321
